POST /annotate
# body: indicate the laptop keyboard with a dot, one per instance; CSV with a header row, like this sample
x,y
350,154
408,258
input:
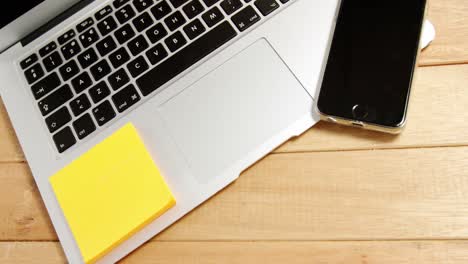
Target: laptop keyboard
x,y
109,62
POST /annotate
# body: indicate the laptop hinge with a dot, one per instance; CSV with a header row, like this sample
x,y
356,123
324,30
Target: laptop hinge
x,y
54,22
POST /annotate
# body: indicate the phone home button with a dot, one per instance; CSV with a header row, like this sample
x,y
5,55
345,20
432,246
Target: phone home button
x,y
360,111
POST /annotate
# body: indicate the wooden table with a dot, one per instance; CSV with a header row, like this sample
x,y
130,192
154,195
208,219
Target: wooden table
x,y
333,195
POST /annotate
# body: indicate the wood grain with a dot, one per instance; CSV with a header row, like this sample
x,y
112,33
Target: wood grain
x,y
355,195
333,195
23,215
451,44
372,252
10,149
409,252
437,117
31,253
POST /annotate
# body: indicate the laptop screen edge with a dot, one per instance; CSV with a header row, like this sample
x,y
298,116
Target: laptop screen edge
x,y
32,20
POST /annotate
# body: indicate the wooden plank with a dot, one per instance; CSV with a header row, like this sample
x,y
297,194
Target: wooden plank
x,y
451,22
437,117
409,252
360,195
23,215
363,252
451,46
31,253
10,149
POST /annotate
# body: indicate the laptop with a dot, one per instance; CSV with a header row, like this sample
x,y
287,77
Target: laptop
x,y
212,86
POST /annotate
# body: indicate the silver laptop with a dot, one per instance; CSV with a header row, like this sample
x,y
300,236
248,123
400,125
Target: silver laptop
x,y
211,86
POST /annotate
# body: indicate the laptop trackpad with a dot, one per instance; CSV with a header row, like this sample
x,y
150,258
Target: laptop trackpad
x,y
235,109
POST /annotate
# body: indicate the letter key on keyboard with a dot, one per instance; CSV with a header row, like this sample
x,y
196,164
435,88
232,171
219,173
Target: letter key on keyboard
x,y
185,58
103,65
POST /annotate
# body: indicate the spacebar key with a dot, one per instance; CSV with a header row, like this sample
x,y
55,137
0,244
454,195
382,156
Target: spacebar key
x,y
185,58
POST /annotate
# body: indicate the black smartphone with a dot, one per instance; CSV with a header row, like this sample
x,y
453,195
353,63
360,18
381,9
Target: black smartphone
x,y
373,55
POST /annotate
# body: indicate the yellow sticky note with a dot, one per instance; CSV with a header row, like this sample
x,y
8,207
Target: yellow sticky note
x,y
111,192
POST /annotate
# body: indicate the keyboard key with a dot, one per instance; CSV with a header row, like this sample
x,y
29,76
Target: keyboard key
x,y
55,100
209,3
69,70
126,98
156,33
28,61
125,14
185,58
45,85
161,10
119,57
142,22
118,79
137,45
52,61
194,29
266,6
81,82
103,13
245,18
231,6
177,3
124,34
107,25
34,73
87,58
64,139
99,92
106,45
47,49
85,24
66,36
137,66
141,5
174,21
119,3
175,41
193,9
89,37
58,119
100,70
71,49
156,54
84,126
103,113
80,104
213,16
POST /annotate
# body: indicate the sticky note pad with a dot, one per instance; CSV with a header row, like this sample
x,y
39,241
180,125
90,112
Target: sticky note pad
x,y
111,192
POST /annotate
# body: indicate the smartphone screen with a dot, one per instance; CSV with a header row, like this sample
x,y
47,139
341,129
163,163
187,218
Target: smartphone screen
x,y
372,58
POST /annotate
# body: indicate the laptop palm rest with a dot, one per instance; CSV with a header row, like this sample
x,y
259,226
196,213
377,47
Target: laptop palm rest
x,y
234,110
